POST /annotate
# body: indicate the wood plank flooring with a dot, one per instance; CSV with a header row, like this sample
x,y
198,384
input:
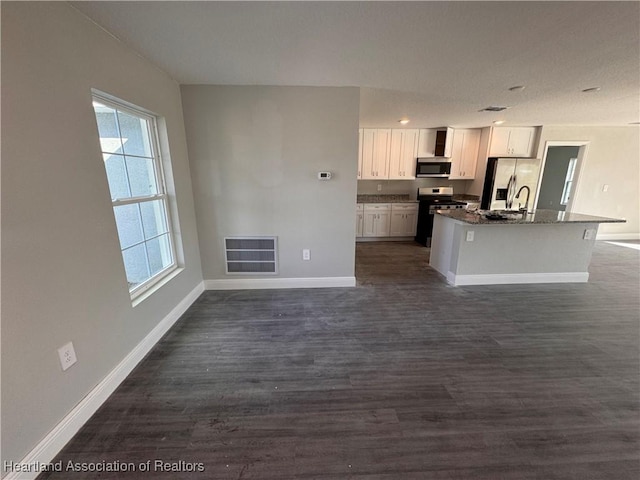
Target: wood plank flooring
x,y
402,377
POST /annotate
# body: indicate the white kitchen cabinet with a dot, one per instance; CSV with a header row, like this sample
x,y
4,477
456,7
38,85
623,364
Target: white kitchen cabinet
x,y
403,154
512,142
360,134
464,154
359,219
376,146
429,137
404,219
377,219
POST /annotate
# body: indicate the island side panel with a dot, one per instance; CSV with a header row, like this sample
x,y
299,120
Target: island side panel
x,y
443,245
528,253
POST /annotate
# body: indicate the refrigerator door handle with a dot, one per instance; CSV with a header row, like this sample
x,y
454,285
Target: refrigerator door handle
x,y
508,202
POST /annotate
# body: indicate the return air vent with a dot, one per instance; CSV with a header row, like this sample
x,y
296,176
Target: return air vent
x,y
251,255
493,108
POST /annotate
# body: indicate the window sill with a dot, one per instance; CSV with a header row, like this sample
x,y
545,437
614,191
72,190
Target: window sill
x,y
154,287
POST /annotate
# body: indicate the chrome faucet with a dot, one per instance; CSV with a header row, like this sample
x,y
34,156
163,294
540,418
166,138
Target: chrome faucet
x,y
524,210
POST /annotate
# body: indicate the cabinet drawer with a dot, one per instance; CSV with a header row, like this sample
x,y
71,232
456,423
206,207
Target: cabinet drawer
x,y
404,207
377,206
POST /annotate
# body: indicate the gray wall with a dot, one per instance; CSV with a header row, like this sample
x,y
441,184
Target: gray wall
x,y
553,177
255,153
62,272
612,158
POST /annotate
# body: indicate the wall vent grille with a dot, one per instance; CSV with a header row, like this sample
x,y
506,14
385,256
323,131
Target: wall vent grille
x,y
251,255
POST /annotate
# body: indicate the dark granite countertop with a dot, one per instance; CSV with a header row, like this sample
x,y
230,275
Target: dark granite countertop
x,y
463,197
387,198
540,217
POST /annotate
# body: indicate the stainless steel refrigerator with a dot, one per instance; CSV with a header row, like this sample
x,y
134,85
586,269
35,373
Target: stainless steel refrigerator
x,y
504,177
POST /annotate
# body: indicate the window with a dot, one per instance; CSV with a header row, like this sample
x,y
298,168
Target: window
x,y
568,181
129,144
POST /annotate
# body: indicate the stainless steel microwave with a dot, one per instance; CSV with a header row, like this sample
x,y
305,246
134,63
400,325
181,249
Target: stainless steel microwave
x,y
427,167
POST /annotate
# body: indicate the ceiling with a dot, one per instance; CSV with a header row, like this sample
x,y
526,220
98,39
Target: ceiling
x,y
436,63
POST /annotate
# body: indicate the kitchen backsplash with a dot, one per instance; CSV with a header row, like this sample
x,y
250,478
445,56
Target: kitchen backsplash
x,y
389,187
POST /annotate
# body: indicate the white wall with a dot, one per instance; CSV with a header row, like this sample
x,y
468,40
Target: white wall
x,y
613,158
62,273
255,153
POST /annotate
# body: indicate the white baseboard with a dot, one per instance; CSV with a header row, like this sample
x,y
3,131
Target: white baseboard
x,y
52,444
269,283
618,236
513,278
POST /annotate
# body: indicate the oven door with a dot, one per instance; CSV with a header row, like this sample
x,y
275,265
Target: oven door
x,y
433,169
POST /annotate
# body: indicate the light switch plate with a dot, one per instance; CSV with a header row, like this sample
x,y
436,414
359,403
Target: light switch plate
x,y
470,235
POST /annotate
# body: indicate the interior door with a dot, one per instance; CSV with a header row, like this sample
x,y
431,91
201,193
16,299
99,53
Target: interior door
x,y
504,170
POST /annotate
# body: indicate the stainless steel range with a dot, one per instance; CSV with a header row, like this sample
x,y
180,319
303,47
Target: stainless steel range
x,y
432,199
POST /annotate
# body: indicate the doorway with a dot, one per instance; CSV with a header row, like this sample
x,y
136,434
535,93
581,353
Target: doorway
x,y
562,163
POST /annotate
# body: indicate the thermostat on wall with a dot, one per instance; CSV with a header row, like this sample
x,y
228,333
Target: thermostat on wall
x,y
324,175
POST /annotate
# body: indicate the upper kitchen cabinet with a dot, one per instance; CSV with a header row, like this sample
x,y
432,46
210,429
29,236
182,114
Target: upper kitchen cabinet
x,y
360,135
375,151
512,142
404,150
435,143
464,154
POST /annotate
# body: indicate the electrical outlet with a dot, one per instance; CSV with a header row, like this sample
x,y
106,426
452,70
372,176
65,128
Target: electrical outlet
x,y
306,254
589,234
379,187
470,235
605,188
67,355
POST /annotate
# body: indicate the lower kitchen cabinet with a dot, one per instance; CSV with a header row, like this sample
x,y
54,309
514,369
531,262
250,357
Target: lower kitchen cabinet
x,y
386,219
377,219
404,219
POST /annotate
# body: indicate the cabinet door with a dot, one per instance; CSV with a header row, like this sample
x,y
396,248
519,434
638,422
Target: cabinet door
x,y
520,141
457,159
359,222
369,223
470,150
411,223
403,153
383,223
448,146
360,134
381,153
368,153
409,154
499,142
426,143
398,225
395,155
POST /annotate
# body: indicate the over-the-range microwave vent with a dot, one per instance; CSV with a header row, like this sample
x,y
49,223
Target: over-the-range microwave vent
x,y
493,108
251,255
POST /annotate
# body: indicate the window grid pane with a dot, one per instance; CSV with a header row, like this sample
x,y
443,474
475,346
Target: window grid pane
x,y
133,172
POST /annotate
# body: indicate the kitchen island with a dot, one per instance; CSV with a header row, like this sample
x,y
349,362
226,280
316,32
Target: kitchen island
x,y
543,247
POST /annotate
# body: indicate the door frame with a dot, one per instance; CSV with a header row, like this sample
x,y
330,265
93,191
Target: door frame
x,y
577,175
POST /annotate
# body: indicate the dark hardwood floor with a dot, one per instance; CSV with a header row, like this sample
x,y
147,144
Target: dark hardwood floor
x,y
403,377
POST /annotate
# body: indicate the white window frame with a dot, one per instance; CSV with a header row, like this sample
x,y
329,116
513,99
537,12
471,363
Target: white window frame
x,y
568,181
156,154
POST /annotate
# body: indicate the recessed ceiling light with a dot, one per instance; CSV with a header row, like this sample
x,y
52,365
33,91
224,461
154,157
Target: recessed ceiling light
x,y
493,108
498,122
404,121
517,88
592,89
